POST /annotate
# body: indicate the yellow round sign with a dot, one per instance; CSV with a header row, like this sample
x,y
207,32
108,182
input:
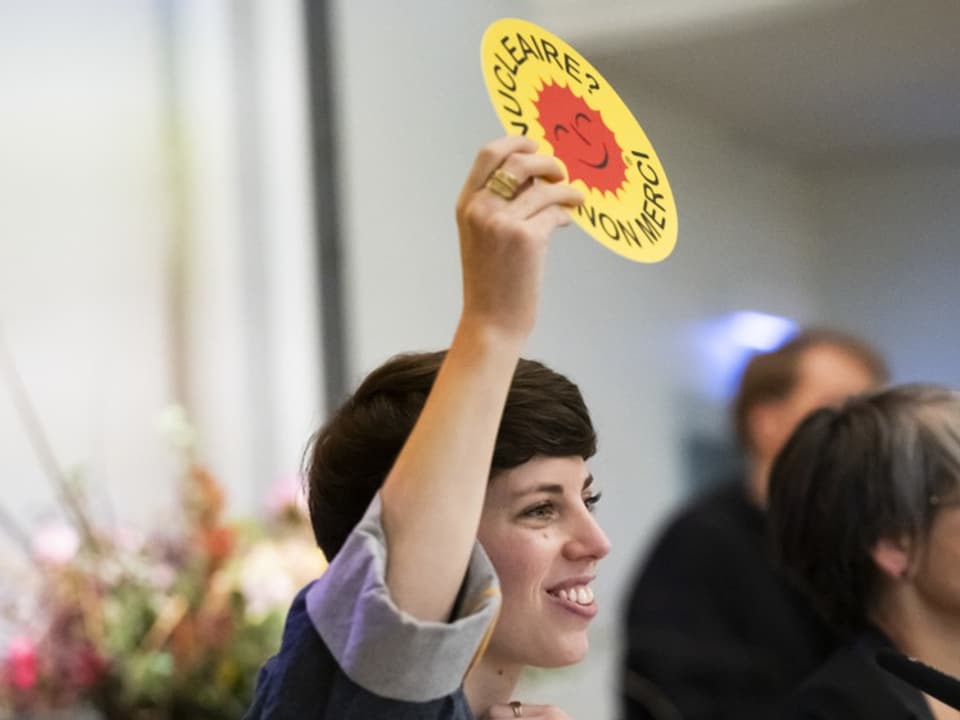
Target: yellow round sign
x,y
543,88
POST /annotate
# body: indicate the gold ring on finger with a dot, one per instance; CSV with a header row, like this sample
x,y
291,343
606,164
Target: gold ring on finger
x,y
503,183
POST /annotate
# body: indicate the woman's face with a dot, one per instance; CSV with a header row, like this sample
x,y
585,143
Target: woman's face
x,y
937,569
538,528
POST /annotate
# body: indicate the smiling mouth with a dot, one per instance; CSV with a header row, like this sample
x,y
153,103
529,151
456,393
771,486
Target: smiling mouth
x,y
577,600
581,595
603,163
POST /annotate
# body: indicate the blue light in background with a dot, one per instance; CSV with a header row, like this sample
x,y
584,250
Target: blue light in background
x,y
727,342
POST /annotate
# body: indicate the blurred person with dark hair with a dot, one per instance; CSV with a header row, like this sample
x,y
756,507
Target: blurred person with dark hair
x,y
452,496
865,516
713,630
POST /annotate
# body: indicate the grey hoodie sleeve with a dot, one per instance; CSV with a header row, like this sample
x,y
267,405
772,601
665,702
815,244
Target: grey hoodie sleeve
x,y
383,649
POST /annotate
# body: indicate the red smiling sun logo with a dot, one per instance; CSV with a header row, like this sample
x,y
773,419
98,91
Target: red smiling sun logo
x,y
581,139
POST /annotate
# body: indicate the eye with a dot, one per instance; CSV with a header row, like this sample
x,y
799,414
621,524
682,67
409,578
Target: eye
x,y
577,121
541,511
591,500
558,128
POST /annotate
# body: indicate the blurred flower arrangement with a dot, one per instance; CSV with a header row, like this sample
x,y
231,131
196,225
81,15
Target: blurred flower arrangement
x,y
174,626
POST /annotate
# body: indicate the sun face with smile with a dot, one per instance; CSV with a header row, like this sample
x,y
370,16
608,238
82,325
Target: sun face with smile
x,y
543,88
580,139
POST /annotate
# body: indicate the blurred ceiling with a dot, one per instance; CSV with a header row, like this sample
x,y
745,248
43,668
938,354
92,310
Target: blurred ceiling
x,y
820,82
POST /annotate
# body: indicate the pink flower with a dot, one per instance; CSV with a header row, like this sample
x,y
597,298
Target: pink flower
x,y
20,664
56,543
286,497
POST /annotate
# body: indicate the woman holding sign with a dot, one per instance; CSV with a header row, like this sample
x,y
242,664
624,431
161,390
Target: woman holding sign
x,y
431,455
865,512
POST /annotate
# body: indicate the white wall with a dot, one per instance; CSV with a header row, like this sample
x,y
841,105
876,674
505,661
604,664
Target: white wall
x,y
747,239
253,370
156,246
84,218
891,257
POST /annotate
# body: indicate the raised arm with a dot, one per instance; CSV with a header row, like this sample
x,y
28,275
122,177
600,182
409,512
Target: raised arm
x,y
433,496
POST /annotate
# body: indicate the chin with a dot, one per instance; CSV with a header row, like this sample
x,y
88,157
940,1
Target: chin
x,y
563,652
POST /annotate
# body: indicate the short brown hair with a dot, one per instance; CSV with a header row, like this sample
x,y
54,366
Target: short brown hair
x,y
772,376
879,467
348,459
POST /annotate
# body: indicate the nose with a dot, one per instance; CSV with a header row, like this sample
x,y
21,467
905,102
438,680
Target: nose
x,y
587,539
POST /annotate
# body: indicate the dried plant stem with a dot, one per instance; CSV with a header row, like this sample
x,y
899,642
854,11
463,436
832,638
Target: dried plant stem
x,y
41,446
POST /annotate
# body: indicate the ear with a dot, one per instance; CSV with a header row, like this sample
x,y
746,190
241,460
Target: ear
x,y
765,427
892,557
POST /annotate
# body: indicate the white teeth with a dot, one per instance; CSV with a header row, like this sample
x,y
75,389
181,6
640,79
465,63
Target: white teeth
x,y
582,595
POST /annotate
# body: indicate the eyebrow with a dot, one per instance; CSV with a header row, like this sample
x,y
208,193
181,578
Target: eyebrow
x,y
552,488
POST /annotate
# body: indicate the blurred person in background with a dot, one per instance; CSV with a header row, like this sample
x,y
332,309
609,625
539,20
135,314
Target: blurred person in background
x,y
452,494
712,629
865,516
